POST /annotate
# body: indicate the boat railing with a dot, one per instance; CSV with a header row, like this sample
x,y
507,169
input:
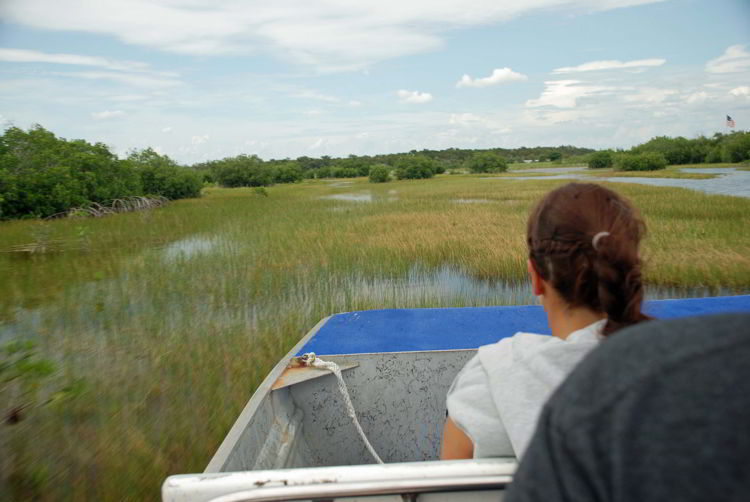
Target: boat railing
x,y
401,479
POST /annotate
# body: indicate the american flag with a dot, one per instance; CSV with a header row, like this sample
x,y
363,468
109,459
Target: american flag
x,y
730,121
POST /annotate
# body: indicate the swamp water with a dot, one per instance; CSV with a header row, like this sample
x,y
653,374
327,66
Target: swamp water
x,y
732,182
98,306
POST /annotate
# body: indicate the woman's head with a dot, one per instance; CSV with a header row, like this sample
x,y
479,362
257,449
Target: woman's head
x,y
583,241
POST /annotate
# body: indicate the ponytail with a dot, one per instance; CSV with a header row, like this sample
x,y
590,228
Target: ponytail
x,y
583,239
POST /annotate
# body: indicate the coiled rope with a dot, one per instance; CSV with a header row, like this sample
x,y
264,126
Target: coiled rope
x,y
310,359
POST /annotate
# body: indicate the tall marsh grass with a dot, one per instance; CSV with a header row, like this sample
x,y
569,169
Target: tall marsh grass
x,y
172,317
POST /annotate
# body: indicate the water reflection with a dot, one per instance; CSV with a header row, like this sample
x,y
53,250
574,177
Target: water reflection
x,y
709,170
450,286
733,182
472,201
188,248
445,286
351,197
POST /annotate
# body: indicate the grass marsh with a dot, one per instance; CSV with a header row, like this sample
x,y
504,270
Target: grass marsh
x,y
173,317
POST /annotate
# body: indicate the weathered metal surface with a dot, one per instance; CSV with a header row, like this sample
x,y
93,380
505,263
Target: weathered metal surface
x,y
247,435
295,373
399,399
348,482
284,444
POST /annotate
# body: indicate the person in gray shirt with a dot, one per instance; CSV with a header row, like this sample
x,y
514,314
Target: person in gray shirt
x,y
661,411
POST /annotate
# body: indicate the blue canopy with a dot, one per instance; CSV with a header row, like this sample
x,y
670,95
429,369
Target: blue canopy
x,y
403,330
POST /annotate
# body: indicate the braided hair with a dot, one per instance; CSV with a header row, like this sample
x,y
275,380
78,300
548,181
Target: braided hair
x,y
602,273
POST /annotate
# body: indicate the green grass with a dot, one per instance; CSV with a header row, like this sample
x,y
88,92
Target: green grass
x,y
170,350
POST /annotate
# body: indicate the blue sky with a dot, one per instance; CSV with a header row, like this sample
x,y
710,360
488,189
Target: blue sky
x,y
205,79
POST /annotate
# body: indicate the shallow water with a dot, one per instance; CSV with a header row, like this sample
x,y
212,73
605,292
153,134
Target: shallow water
x,y
733,182
446,286
472,201
550,169
187,248
350,197
448,282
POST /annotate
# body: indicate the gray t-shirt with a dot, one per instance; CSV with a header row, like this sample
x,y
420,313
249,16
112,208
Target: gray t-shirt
x,y
496,398
660,412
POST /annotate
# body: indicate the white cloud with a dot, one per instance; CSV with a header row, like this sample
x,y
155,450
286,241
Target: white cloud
x,y
199,140
465,119
650,95
498,76
734,59
566,93
697,97
29,56
610,65
413,97
127,72
107,114
137,79
316,144
354,103
330,34
167,129
742,90
314,95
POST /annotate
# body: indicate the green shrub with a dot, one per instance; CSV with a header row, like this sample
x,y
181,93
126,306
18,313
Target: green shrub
x,y
379,173
42,175
344,172
641,162
487,162
244,171
288,172
412,167
323,172
736,147
600,160
160,175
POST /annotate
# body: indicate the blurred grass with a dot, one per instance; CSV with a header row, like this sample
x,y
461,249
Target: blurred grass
x,y
171,344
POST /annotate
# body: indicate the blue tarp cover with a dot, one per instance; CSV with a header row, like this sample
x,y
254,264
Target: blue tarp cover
x,y
402,330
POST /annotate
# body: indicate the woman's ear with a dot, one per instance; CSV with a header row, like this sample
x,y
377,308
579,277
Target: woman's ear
x,y
537,285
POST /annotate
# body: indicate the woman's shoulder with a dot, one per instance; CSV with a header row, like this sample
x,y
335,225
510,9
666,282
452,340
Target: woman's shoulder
x,y
523,347
520,341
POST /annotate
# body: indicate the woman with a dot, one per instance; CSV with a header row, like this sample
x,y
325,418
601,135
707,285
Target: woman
x,y
585,268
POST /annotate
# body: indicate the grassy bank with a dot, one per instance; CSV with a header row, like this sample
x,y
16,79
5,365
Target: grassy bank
x,y
171,318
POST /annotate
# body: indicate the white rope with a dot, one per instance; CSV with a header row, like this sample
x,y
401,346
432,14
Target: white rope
x,y
311,360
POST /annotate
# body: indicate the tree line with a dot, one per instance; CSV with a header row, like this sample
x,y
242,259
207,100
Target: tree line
x,y
662,151
42,175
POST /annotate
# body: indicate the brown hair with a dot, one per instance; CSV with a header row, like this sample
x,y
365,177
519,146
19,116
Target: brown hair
x,y
605,275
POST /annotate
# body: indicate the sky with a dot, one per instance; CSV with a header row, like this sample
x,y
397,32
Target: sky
x,y
206,79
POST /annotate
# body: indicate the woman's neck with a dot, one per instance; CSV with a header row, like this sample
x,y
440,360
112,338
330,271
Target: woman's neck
x,y
564,320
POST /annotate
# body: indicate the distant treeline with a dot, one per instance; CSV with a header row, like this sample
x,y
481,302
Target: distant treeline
x,y
661,151
43,175
733,147
250,170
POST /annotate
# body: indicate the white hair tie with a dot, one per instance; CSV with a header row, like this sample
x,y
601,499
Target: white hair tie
x,y
596,238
